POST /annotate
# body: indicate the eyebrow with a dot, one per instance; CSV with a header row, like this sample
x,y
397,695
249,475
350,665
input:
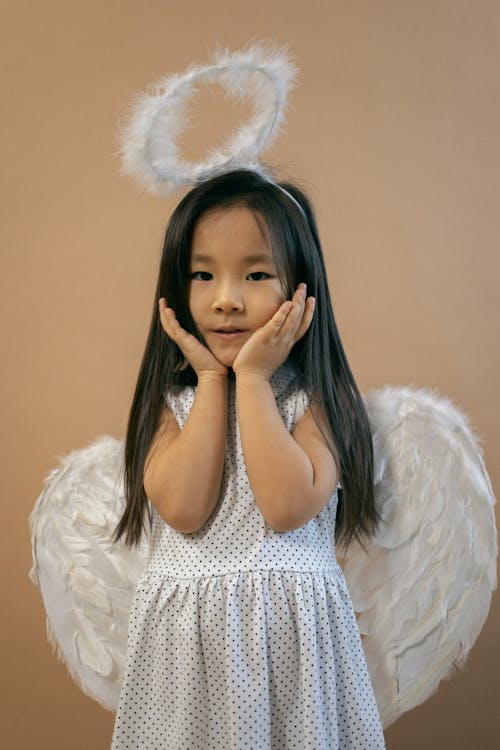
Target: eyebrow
x,y
259,258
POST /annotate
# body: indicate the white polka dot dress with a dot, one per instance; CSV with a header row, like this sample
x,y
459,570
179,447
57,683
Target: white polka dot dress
x,y
241,637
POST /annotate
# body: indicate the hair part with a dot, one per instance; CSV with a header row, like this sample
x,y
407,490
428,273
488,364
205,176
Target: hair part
x,y
336,404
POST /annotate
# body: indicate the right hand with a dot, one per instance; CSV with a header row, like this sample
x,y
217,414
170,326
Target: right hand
x,y
199,357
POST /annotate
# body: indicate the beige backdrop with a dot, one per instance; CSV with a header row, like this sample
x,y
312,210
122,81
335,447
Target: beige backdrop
x,y
394,130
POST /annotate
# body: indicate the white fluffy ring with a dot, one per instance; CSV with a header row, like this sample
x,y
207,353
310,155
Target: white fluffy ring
x,y
148,137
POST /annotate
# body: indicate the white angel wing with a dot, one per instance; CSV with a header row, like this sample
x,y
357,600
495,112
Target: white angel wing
x,y
423,589
87,584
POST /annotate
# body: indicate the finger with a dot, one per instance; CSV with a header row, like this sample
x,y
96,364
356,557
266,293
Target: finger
x,y
162,304
288,316
300,292
299,319
296,312
307,317
277,321
173,328
169,318
299,300
187,343
167,314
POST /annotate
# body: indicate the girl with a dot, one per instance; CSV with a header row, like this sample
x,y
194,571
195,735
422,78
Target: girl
x,y
245,417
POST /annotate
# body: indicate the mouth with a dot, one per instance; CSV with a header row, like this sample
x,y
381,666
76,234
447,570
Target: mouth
x,y
227,334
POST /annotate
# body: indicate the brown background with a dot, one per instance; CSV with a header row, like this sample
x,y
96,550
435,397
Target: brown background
x,y
394,130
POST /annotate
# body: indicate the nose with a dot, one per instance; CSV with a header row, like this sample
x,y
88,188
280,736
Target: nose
x,y
227,299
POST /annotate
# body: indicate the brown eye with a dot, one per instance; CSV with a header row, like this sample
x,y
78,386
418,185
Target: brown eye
x,y
201,276
258,276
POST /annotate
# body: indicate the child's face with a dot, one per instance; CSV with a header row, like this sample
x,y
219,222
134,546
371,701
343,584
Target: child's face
x,y
234,287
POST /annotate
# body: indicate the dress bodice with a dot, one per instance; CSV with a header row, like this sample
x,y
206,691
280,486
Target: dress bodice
x,y
236,537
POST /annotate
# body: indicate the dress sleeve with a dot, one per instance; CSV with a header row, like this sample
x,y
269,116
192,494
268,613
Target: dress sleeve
x,y
301,406
180,401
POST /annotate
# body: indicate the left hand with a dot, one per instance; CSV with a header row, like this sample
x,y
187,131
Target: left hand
x,y
269,346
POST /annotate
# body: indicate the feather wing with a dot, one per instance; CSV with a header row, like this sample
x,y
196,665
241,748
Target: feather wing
x,y
87,584
422,589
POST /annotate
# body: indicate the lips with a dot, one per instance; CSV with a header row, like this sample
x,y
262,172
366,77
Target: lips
x,y
229,333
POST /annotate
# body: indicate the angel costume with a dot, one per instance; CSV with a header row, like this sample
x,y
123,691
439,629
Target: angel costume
x,y
241,636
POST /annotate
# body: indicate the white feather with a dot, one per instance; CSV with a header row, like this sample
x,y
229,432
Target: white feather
x,y
423,589
149,132
87,584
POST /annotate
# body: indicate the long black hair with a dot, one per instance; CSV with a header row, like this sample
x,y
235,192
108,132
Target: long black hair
x,y
319,354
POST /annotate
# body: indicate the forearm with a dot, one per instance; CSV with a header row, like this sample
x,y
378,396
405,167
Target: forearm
x,y
184,475
279,470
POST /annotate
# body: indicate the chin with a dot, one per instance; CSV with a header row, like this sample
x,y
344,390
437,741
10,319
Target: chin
x,y
227,360
226,353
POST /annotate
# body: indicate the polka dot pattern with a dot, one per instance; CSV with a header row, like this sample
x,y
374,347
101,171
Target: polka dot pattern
x,y
243,637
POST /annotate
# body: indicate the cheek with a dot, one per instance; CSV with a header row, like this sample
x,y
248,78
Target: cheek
x,y
271,303
278,302
189,295
279,296
194,303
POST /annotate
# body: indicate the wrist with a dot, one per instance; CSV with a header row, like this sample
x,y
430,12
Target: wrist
x,y
252,376
212,376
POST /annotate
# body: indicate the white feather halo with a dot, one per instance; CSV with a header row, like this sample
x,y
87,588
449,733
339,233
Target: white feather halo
x,y
149,133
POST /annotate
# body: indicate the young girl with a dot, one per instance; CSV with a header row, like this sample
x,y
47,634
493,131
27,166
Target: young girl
x,y
245,417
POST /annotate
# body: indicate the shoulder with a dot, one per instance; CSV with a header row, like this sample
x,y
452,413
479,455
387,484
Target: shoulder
x,y
312,430
166,432
168,427
312,438
311,421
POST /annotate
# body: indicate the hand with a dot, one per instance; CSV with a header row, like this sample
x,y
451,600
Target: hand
x,y
199,357
269,346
